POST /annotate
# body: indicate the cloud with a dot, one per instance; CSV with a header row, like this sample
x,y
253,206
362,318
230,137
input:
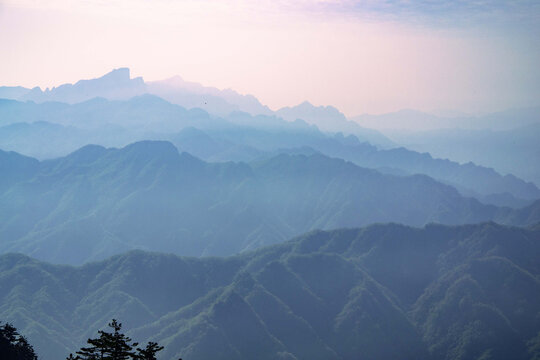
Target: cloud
x,y
362,56
524,14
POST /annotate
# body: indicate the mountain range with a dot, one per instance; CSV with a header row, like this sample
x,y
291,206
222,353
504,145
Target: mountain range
x,y
485,132
149,196
514,151
408,119
379,292
506,141
397,252
118,85
50,130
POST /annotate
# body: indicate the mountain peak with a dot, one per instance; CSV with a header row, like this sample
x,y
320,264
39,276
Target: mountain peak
x,y
151,149
87,154
305,103
151,146
120,74
116,84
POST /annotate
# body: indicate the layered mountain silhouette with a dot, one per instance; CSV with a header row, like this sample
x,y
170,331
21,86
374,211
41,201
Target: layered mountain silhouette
x,y
408,119
183,169
118,85
512,155
142,113
383,292
514,151
97,202
114,85
506,141
483,183
190,94
52,129
330,119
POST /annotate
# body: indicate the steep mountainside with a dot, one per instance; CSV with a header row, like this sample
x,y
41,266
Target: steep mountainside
x,y
246,143
97,202
380,292
480,182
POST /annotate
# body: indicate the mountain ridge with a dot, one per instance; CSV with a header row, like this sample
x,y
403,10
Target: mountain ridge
x,y
377,291
117,85
112,200
239,137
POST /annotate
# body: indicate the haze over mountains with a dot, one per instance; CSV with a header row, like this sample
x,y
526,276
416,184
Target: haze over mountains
x,y
118,85
515,151
519,161
148,196
236,136
104,173
409,120
383,292
50,130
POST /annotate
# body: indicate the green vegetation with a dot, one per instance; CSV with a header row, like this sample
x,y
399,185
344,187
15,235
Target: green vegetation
x,y
98,202
115,346
383,292
108,346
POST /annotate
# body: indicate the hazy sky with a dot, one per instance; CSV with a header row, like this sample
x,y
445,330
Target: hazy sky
x,y
361,56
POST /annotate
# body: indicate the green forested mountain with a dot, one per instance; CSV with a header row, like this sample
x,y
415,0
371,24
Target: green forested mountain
x,y
97,202
379,292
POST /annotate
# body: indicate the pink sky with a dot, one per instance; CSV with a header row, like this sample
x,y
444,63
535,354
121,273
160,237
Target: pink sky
x,y
357,56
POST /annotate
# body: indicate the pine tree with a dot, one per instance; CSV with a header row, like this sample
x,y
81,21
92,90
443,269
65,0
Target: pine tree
x,y
108,346
14,346
115,346
149,352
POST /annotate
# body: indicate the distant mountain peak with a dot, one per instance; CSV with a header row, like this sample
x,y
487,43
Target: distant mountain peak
x,y
147,99
120,75
152,146
191,94
87,154
305,103
122,72
305,108
116,84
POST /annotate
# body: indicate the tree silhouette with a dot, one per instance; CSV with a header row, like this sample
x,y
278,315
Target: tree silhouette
x,y
115,346
149,353
14,346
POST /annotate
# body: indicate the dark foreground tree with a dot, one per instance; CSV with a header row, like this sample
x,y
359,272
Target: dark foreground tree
x,y
150,351
14,346
115,346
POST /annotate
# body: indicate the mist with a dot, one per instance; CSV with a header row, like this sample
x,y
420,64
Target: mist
x,y
274,180
360,58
